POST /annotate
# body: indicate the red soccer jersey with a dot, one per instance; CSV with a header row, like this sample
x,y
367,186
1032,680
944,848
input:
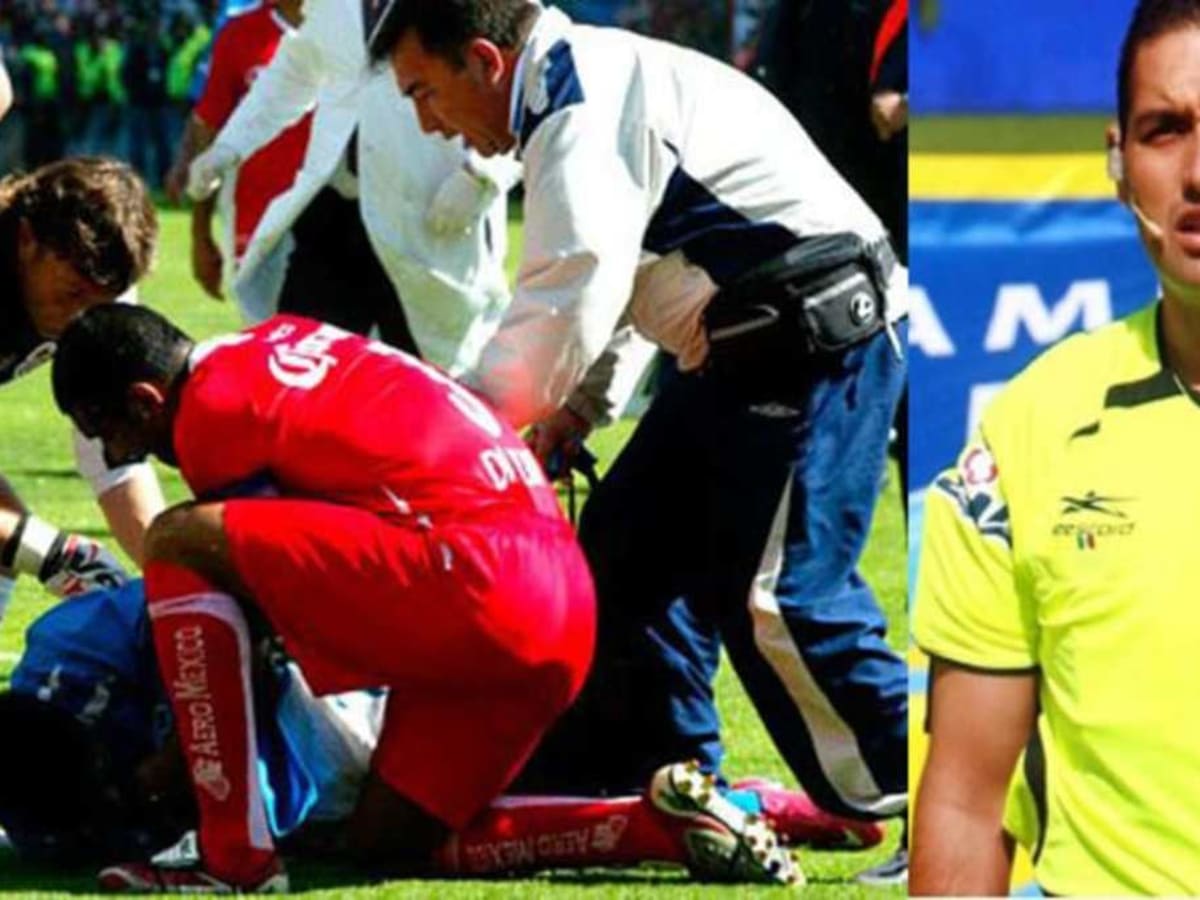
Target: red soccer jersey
x,y
245,44
328,415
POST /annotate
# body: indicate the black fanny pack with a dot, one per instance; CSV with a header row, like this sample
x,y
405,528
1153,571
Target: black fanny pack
x,y
822,296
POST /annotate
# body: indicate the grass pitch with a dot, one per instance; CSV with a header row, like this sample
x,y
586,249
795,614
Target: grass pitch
x,y
36,457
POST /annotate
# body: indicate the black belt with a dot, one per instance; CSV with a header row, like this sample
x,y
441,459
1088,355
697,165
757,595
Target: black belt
x,y
821,297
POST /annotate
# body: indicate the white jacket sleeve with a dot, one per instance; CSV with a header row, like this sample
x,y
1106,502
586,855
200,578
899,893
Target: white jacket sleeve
x,y
587,200
281,94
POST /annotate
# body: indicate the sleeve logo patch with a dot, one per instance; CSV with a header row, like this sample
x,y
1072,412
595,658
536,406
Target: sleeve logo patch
x,y
974,486
978,468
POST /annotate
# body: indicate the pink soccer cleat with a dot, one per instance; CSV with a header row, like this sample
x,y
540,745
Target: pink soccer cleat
x,y
799,821
723,842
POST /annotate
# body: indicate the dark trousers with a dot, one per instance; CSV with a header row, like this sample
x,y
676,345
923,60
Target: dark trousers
x,y
43,136
149,141
722,519
334,275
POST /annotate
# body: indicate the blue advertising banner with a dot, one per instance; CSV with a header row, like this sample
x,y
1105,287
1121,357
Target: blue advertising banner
x,y
1018,56
994,283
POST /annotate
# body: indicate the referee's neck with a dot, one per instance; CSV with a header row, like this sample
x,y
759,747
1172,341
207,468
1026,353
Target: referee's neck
x,y
1181,335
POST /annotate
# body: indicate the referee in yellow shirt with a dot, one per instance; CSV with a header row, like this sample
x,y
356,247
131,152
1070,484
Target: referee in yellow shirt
x,y
1059,590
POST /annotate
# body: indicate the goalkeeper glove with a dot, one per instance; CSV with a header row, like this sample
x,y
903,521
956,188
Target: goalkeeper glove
x,y
67,564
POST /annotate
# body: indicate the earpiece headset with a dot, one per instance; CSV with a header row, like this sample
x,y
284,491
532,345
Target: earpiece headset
x,y
1115,163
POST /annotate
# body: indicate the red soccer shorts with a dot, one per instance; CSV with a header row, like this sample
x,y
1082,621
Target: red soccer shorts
x,y
483,631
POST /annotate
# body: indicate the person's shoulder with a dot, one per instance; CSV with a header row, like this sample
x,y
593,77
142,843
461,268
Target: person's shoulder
x,y
1126,341
248,13
22,349
609,59
247,21
1071,381
218,376
550,82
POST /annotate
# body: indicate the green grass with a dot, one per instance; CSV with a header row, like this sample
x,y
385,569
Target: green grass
x,y
36,457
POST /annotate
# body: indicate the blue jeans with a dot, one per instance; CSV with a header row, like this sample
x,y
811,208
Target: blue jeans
x,y
745,522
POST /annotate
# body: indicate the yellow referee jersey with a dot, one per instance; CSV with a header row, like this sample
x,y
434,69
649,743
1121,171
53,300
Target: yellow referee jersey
x,y
1067,540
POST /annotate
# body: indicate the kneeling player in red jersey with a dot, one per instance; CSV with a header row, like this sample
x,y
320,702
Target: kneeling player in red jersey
x,y
413,543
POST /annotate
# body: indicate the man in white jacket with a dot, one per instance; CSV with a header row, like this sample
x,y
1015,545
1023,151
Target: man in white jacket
x,y
668,190
434,214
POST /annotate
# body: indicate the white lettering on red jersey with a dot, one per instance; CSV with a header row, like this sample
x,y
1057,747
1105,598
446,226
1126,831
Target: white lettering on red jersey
x,y
326,414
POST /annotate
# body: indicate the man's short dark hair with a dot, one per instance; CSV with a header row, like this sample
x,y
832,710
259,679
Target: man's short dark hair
x,y
445,26
109,347
1151,19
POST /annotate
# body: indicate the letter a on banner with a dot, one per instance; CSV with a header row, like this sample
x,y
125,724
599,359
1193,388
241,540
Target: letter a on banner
x,y
925,329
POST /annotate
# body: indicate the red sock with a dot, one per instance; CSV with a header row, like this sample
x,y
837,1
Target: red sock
x,y
203,648
570,832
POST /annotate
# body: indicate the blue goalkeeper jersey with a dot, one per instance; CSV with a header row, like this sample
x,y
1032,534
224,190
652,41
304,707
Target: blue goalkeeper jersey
x,y
93,656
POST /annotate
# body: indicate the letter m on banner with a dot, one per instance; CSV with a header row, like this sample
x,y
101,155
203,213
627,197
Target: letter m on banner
x,y
1086,304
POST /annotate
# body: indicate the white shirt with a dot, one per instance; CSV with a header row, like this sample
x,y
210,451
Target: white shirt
x,y
653,175
453,288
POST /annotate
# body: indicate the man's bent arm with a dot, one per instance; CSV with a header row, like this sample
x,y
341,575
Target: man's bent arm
x,y
196,138
611,380
979,723
129,496
130,507
585,212
206,251
281,94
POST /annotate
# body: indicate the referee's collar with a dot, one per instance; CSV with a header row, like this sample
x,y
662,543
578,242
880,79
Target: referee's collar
x,y
1162,385
1160,340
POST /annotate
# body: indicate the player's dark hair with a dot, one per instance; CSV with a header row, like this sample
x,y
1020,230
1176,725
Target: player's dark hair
x,y
64,799
55,798
445,26
95,213
107,348
1151,19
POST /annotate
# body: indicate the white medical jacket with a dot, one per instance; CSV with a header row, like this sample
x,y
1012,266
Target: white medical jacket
x,y
453,288
654,175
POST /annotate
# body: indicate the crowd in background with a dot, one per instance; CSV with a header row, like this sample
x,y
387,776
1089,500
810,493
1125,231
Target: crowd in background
x,y
107,77
118,77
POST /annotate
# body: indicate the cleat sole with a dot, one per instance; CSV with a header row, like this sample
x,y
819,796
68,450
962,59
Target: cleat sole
x,y
741,848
